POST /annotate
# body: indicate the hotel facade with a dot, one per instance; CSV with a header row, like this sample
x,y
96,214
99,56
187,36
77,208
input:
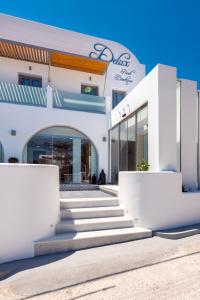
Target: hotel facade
x,y
57,91
84,104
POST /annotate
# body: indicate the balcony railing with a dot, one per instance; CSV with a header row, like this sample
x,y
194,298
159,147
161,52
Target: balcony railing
x,y
21,94
47,97
79,102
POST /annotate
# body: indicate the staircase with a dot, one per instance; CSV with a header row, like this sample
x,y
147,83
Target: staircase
x,y
90,222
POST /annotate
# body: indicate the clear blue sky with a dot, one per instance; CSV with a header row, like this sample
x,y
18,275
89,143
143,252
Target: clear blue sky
x,y
156,31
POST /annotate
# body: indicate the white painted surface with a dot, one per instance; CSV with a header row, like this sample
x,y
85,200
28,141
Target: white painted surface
x,y
27,121
29,207
158,89
189,137
49,37
155,200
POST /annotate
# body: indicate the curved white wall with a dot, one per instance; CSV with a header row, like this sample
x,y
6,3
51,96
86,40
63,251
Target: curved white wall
x,y
29,207
155,200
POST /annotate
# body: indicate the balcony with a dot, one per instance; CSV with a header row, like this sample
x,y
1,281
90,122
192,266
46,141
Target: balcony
x,y
42,97
19,94
79,102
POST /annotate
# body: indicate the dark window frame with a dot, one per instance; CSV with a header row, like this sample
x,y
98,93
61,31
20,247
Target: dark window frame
x,y
92,86
29,77
124,93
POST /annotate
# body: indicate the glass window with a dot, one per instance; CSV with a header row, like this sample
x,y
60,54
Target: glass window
x,y
123,148
89,89
131,144
142,135
114,154
30,80
68,148
1,154
128,144
117,96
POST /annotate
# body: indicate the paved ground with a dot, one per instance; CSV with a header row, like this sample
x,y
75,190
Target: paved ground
x,y
175,279
37,277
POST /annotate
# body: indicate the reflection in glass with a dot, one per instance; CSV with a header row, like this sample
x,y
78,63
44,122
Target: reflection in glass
x,y
131,144
123,147
128,144
1,153
142,135
114,154
69,149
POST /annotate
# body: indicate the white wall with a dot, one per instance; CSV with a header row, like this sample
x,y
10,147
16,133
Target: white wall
x,y
60,78
119,76
158,89
29,207
189,123
155,200
27,121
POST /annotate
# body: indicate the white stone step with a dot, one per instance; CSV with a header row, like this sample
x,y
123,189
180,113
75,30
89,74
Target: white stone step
x,y
93,224
88,202
94,212
82,240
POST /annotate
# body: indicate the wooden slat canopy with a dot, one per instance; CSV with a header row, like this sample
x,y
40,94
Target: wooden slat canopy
x,y
79,63
52,57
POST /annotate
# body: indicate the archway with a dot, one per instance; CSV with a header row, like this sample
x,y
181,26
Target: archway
x,y
66,147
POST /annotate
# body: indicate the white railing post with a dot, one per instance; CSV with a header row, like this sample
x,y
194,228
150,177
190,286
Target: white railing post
x,y
49,97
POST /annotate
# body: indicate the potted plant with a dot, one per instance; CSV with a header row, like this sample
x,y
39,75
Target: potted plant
x,y
143,165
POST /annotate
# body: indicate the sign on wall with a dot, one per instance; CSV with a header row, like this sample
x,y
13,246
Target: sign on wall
x,y
123,60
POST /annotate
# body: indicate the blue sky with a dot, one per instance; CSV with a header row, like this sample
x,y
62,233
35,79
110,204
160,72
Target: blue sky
x,y
156,31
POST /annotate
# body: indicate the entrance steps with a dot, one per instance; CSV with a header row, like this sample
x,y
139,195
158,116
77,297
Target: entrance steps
x,y
90,222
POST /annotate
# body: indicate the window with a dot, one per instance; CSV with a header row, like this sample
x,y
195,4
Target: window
x,y
89,89
30,80
128,143
117,96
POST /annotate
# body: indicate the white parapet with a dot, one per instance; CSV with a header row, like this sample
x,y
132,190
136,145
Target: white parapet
x,y
155,200
29,207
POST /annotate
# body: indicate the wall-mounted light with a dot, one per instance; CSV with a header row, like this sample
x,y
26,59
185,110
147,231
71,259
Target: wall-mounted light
x,y
124,113
90,78
13,132
30,68
128,105
104,139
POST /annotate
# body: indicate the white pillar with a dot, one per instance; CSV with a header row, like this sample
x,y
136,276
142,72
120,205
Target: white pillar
x,y
162,148
49,97
189,123
76,160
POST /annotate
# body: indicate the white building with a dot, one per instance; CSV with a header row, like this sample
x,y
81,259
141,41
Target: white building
x,y
57,89
85,104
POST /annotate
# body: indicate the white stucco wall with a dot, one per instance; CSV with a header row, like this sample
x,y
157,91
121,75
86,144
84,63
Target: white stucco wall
x,y
118,76
29,207
158,90
27,121
155,200
189,131
60,78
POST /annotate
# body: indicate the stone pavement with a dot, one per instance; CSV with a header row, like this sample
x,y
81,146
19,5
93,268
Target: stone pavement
x,y
39,276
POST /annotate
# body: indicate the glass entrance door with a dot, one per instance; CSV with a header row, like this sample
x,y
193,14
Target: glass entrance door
x,y
68,148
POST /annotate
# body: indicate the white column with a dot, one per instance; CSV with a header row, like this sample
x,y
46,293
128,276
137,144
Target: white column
x,y
76,160
189,123
49,97
162,148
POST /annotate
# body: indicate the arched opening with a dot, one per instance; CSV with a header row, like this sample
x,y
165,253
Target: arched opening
x,y
1,153
66,147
